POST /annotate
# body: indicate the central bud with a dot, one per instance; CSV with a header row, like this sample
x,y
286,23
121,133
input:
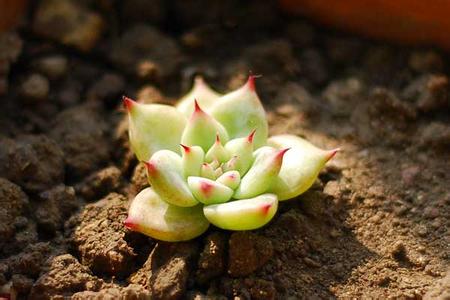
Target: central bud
x,y
215,169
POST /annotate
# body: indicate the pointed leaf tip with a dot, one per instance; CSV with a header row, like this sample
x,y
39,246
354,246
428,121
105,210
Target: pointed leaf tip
x,y
265,208
186,149
281,154
128,103
251,136
332,153
128,223
246,214
158,219
197,107
151,167
251,82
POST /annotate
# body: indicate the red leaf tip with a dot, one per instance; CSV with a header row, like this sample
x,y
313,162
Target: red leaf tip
x,y
332,153
265,208
128,103
251,136
197,107
251,81
282,152
151,167
187,149
129,224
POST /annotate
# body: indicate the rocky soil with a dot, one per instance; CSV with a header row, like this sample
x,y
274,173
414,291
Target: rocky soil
x,y
374,225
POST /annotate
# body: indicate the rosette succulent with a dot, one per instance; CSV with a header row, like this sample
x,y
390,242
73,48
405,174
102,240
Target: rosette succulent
x,y
209,160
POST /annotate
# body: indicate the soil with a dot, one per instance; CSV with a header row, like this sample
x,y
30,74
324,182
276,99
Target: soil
x,y
374,225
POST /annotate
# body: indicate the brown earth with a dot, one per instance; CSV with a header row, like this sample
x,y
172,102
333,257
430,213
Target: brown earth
x,y
374,225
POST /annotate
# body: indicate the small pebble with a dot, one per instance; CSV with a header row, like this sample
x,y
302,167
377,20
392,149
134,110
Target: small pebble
x,y
35,87
409,174
311,263
422,231
398,251
53,66
431,212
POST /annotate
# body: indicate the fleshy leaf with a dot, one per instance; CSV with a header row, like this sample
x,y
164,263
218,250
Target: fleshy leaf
x,y
164,172
240,112
231,179
153,127
192,160
244,214
217,152
208,191
201,91
262,173
218,172
201,130
242,149
207,171
230,165
301,165
152,216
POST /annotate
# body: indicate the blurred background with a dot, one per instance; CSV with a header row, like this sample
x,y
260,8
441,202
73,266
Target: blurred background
x,y
368,76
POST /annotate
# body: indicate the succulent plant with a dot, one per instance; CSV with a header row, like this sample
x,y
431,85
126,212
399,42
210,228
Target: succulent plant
x,y
209,160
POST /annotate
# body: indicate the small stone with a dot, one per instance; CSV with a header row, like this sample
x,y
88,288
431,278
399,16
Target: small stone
x,y
431,270
99,183
426,61
63,275
149,94
435,135
398,252
335,233
21,284
247,253
144,51
54,66
436,224
262,289
30,260
401,210
435,94
172,265
54,207
409,174
33,161
342,96
212,259
81,131
13,203
376,191
132,291
297,98
100,236
431,212
311,263
383,281
422,231
332,189
68,22
35,88
108,88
